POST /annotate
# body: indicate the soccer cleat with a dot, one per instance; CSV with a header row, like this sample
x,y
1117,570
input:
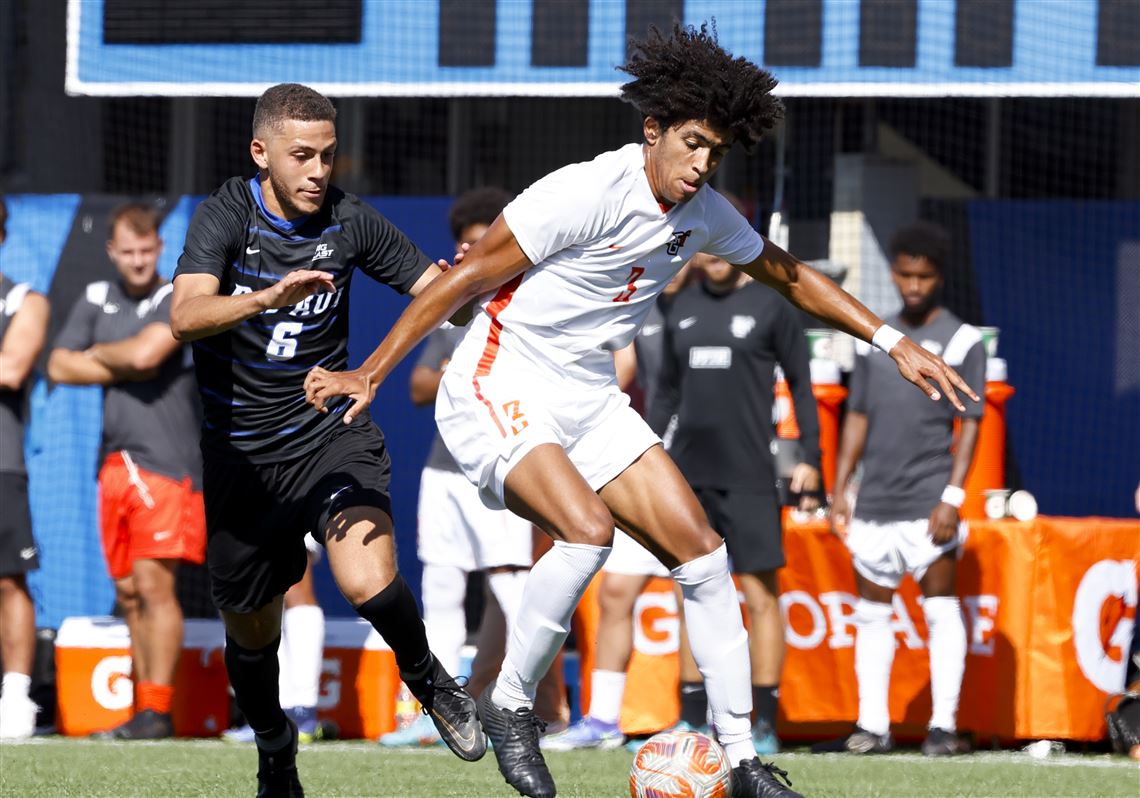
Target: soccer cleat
x,y
309,729
145,725
421,733
277,770
942,742
764,739
588,732
452,710
239,734
755,779
17,717
514,737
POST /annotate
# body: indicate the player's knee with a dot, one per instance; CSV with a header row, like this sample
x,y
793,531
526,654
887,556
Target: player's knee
x,y
616,596
593,526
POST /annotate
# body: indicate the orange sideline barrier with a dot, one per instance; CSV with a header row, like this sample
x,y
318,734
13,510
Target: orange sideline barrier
x,y
1049,606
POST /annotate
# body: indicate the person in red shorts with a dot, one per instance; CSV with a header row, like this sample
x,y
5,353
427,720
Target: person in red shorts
x,y
151,511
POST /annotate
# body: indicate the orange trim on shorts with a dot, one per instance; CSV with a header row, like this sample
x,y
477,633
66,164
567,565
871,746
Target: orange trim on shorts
x,y
491,349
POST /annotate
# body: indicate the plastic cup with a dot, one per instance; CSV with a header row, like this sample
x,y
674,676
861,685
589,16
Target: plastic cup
x,y
820,343
990,340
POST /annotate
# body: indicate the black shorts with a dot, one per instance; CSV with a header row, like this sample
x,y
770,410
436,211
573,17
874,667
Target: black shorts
x,y
749,522
257,515
18,553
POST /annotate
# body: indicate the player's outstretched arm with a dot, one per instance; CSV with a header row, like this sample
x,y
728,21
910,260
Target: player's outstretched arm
x,y
806,288
196,310
495,259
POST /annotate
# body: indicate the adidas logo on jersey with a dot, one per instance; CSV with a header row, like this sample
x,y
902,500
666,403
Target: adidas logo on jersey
x,y
322,251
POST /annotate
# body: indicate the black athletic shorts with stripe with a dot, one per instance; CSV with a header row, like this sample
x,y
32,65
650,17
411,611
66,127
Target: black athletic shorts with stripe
x,y
257,515
18,553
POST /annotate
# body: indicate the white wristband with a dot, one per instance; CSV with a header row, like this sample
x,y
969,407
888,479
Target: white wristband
x,y
886,337
953,495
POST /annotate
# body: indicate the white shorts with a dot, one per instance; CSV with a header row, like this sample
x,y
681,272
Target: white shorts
x,y
630,558
490,423
883,552
454,527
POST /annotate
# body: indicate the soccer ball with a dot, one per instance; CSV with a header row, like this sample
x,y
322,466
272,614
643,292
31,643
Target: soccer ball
x,y
673,764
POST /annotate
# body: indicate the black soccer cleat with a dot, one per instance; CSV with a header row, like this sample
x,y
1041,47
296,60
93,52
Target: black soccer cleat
x,y
755,779
145,725
514,736
452,710
277,770
941,742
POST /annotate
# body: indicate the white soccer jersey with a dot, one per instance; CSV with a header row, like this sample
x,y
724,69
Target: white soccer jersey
x,y
603,248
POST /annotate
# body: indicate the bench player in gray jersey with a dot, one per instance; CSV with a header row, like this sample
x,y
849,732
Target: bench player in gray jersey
x,y
117,335
262,290
905,519
23,328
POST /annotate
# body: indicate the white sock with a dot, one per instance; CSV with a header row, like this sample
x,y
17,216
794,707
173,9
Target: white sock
x,y
16,685
553,589
947,643
720,647
874,655
303,647
443,588
507,586
606,691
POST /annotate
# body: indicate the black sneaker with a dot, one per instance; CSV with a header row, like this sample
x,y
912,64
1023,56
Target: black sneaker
x,y
145,725
514,736
941,742
452,710
755,779
277,770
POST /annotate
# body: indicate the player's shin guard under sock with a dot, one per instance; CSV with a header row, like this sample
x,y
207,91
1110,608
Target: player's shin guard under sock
x,y
303,646
947,643
443,588
394,614
720,647
874,655
553,589
253,676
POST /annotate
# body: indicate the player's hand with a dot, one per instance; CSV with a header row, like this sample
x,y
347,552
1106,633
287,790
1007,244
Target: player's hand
x,y
923,368
840,514
944,523
295,286
322,385
805,482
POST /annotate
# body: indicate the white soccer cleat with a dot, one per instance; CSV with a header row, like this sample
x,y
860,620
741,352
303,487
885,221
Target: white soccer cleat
x,y
17,718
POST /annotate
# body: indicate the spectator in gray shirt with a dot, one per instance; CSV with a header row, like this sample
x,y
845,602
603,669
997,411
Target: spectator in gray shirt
x,y
906,519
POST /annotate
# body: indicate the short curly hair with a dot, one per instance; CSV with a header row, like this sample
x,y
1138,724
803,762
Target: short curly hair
x,y
287,101
922,240
690,76
477,206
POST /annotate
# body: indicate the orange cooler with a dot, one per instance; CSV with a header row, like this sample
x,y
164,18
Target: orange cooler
x,y
359,680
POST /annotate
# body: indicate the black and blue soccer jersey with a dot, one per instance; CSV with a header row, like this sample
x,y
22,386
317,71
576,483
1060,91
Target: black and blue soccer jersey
x,y
252,375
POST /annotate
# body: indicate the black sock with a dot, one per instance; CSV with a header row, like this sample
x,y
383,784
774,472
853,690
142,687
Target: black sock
x,y
764,700
694,704
394,614
253,675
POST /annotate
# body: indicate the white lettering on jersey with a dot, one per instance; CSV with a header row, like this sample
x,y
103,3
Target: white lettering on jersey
x,y
710,357
322,251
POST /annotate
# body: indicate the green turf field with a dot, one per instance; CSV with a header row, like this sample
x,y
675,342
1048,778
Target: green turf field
x,y
65,768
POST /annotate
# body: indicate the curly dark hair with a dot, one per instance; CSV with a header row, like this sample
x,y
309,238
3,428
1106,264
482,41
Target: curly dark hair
x,y
922,240
477,206
690,76
290,101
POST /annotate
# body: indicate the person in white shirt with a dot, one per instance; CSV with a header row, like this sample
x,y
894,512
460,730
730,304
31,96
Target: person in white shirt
x,y
530,406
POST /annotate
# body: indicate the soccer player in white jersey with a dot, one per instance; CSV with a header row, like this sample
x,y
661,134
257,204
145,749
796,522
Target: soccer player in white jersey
x,y
530,407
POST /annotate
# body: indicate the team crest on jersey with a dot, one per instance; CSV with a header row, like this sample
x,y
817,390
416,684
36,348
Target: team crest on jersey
x,y
677,240
742,325
322,251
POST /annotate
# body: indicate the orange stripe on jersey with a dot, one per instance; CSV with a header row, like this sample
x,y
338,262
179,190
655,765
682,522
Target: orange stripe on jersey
x,y
491,348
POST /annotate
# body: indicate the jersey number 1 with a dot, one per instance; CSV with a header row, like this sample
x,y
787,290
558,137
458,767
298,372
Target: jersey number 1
x,y
634,273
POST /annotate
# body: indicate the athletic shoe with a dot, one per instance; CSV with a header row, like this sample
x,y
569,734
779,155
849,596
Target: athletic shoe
x,y
144,725
238,734
452,709
588,732
764,739
17,717
514,738
277,770
420,733
634,744
755,779
309,729
941,742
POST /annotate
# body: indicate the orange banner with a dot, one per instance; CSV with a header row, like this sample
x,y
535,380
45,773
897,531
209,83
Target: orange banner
x,y
1049,607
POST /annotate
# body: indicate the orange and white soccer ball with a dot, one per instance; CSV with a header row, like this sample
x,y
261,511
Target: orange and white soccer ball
x,y
680,764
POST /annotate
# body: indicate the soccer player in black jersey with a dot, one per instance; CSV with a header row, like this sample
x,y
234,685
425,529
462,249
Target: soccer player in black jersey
x,y
262,291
